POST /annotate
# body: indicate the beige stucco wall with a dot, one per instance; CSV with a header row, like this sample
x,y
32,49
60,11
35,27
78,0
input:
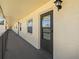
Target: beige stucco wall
x,y
66,29
34,38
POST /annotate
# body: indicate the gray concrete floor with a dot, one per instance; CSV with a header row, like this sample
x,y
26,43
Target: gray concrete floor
x,y
17,48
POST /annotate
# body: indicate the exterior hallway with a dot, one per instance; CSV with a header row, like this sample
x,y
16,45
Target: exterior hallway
x,y
17,48
46,28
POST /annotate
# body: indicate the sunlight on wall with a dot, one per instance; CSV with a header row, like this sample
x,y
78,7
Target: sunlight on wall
x,y
34,38
66,29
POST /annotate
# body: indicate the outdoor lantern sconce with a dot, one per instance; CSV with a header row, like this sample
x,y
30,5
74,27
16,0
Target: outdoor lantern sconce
x,y
58,4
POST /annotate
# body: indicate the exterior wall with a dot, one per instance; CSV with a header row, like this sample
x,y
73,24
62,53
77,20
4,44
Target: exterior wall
x,y
34,38
15,27
66,29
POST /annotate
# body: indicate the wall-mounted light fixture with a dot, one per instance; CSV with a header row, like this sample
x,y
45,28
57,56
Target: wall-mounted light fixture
x,y
58,4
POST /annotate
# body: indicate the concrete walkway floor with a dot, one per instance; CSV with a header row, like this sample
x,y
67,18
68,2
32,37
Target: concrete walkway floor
x,y
17,48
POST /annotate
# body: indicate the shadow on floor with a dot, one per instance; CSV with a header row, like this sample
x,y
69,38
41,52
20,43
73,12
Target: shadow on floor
x,y
17,48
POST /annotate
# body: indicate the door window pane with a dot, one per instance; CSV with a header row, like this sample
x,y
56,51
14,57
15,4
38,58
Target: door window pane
x,y
46,27
46,36
46,21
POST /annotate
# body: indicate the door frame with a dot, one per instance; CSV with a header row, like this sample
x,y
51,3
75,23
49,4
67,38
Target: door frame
x,y
51,24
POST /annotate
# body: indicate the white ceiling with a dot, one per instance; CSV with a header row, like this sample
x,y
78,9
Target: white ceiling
x,y
17,9
20,8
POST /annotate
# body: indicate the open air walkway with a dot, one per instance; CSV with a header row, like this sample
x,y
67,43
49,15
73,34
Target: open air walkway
x,y
18,48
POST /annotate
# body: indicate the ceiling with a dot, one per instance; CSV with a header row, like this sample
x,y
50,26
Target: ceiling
x,y
17,9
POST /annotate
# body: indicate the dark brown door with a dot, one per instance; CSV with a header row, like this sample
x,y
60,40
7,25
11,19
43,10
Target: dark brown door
x,y
47,31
